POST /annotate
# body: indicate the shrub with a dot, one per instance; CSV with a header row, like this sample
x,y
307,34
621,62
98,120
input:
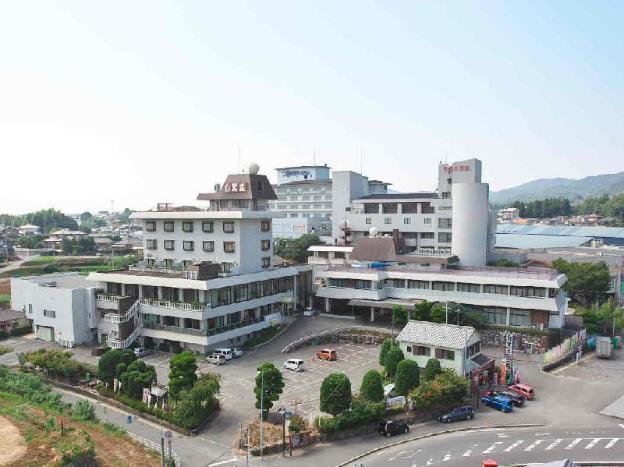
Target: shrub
x,y
182,373
399,316
407,377
445,390
335,393
385,347
362,413
372,387
31,388
394,356
297,424
21,331
432,368
84,410
56,363
113,362
137,376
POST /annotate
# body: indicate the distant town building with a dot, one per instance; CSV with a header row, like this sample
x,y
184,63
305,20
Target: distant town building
x,y
507,215
29,229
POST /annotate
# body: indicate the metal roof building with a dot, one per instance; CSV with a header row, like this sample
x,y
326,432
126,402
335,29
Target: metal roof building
x,y
609,235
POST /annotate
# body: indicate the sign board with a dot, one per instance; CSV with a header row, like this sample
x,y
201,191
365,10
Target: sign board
x,y
234,187
168,435
396,402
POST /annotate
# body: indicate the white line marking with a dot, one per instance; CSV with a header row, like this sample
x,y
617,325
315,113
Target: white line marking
x,y
542,434
611,443
467,453
574,443
514,445
621,425
447,457
553,444
430,461
234,459
492,447
536,443
592,443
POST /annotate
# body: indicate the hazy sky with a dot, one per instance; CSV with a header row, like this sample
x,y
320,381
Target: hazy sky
x,y
142,102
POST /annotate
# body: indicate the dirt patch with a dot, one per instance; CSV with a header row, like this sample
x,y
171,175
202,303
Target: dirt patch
x,y
5,286
12,445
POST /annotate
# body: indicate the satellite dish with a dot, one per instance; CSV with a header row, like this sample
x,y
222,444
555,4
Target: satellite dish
x,y
254,168
373,231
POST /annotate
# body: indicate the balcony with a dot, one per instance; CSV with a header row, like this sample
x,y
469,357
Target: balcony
x,y
183,306
202,332
110,302
175,271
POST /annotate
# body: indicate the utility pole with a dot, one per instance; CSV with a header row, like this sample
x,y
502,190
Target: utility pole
x,y
261,410
446,312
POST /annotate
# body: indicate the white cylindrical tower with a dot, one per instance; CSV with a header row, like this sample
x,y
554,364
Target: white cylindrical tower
x,y
470,223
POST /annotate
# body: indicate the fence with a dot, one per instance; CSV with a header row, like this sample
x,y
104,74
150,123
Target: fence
x,y
156,447
564,351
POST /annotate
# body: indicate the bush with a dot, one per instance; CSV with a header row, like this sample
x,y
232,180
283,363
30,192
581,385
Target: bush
x,y
113,362
394,356
385,348
446,390
182,373
84,410
137,376
362,413
56,363
297,424
407,377
432,368
21,331
31,388
335,393
372,387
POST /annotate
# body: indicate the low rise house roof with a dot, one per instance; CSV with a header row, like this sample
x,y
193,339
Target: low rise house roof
x,y
449,336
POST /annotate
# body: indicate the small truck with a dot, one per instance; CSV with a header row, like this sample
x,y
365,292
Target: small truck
x,y
604,348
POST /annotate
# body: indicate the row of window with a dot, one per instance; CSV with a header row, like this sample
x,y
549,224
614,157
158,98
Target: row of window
x,y
393,208
306,198
207,226
423,350
406,220
310,206
207,246
530,292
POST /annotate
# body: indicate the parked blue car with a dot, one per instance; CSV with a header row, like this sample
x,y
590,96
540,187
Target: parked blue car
x,y
501,403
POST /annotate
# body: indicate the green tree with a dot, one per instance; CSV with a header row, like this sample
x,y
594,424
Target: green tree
x,y
422,311
182,372
372,386
446,390
393,357
296,249
605,319
110,361
438,313
194,405
432,368
273,387
587,282
407,377
335,394
399,316
138,375
386,345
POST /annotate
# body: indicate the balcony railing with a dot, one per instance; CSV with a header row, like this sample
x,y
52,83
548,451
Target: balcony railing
x,y
127,316
123,344
185,306
201,332
107,298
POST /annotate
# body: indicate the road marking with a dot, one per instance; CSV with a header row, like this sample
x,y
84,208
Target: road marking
x,y
447,457
514,445
621,425
592,443
502,435
542,434
492,447
553,444
229,461
467,453
430,461
574,443
611,443
536,443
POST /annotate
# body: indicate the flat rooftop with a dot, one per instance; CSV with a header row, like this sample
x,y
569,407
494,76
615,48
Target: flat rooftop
x,y
416,195
69,280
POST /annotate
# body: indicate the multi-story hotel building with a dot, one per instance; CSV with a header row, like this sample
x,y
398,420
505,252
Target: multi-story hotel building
x,y
207,276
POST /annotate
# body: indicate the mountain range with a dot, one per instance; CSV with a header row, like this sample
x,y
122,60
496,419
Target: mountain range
x,y
595,185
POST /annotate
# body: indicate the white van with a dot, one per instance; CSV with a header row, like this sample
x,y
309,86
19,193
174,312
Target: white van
x,y
295,364
226,352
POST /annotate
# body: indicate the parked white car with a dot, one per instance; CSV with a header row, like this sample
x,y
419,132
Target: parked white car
x,y
226,352
295,364
141,352
309,311
216,359
237,352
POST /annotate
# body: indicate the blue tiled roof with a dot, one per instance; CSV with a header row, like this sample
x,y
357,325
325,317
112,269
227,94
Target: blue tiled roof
x,y
530,242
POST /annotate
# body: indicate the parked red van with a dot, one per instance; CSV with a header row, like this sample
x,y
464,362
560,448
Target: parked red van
x,y
524,390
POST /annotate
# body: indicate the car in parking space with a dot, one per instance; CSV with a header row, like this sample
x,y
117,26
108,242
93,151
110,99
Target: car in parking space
x,y
141,352
309,311
294,364
237,352
458,413
216,359
524,390
226,352
516,399
393,427
327,354
498,402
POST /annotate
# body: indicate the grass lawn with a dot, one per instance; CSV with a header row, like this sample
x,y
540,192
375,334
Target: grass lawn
x,y
68,264
5,298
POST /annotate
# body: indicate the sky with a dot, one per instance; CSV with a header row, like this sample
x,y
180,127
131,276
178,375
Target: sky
x,y
147,101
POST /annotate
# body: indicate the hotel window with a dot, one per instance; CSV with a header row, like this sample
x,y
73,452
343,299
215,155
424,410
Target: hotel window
x,y
445,223
226,267
407,220
169,245
396,283
427,220
265,226
229,247
389,208
150,244
207,226
497,289
417,284
443,354
519,318
427,236
168,226
445,237
49,313
532,292
187,246
444,286
369,220
150,226
473,288
228,227
421,350
265,245
371,208
208,247
495,315
187,226
266,262
387,220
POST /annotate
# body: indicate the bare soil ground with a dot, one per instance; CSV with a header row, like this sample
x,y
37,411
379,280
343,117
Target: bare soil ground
x,y
12,445
5,286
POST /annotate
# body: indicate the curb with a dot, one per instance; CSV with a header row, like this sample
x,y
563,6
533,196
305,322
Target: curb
x,y
431,435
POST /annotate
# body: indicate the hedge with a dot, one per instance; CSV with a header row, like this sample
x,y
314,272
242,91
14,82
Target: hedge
x,y
16,332
362,413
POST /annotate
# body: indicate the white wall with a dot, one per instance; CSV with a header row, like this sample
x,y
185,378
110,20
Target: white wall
x,y
471,220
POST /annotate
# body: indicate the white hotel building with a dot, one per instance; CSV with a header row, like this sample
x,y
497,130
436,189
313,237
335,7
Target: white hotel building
x,y
207,277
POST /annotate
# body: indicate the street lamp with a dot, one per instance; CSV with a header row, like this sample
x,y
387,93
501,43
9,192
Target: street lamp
x,y
286,415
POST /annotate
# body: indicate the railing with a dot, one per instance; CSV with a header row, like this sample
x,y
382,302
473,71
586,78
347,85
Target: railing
x,y
107,298
156,447
156,269
173,305
127,316
123,344
202,332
